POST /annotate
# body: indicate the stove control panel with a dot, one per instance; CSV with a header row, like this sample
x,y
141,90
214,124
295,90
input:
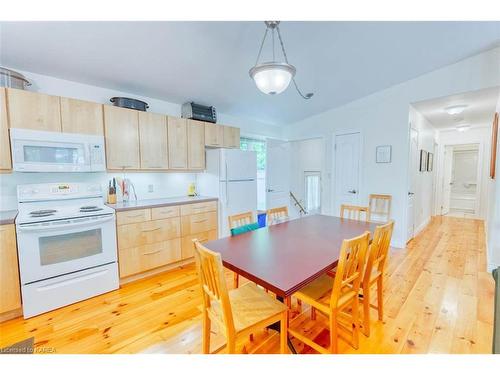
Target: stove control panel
x,y
37,192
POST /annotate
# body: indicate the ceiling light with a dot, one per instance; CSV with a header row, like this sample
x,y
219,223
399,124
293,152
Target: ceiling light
x,y
463,128
274,77
455,109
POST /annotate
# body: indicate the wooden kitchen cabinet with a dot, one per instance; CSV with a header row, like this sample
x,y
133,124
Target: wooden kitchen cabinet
x,y
82,117
196,144
32,110
153,134
10,291
5,158
231,137
214,135
121,129
177,143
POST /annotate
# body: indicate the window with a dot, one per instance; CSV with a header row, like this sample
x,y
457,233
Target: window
x,y
312,187
259,147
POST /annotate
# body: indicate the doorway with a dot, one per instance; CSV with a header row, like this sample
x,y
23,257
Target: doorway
x,y
412,183
347,162
460,196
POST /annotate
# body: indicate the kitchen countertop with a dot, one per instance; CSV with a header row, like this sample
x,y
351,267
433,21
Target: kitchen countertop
x,y
160,202
7,217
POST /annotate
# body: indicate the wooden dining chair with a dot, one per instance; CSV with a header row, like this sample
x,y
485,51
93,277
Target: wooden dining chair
x,y
236,221
239,220
277,215
348,211
338,298
238,312
374,272
380,207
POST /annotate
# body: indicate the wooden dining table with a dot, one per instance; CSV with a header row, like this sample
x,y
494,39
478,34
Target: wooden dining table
x,y
285,257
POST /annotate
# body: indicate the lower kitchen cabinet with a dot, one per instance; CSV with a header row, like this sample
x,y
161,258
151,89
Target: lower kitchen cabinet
x,y
149,239
10,290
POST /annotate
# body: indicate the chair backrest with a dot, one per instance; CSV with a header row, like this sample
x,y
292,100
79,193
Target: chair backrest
x,y
380,206
348,211
350,267
276,215
213,283
239,220
378,250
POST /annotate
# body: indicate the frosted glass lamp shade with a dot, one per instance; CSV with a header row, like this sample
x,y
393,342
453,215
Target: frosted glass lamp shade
x,y
272,78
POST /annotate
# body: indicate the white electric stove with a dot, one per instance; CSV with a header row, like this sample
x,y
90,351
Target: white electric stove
x,y
66,243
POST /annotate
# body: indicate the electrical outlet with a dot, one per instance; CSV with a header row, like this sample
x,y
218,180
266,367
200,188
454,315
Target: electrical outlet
x,y
151,188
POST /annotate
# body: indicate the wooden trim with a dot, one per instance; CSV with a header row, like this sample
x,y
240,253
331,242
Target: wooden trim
x,y
8,315
494,141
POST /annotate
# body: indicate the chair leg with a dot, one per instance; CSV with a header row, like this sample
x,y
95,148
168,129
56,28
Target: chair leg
x,y
333,334
231,344
284,332
380,298
313,313
299,305
355,322
366,311
288,302
236,280
206,333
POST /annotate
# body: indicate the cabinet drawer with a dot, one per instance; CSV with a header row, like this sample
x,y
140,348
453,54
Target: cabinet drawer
x,y
143,258
132,235
198,208
164,212
135,216
198,223
188,245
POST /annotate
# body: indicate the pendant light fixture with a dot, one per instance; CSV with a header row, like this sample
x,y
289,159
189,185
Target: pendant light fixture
x,y
274,77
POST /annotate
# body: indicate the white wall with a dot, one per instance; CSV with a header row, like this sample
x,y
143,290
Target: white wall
x,y
383,119
493,213
480,135
424,189
307,155
165,184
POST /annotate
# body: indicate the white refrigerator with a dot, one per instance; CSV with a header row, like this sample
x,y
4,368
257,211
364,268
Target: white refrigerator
x,y
231,176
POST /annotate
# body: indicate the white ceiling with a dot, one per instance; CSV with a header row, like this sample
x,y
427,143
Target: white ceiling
x,y
208,62
480,109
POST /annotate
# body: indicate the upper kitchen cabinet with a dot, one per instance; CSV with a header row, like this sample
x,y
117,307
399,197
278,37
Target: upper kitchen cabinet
x,y
121,129
79,116
177,143
32,110
196,144
153,136
5,159
214,135
231,137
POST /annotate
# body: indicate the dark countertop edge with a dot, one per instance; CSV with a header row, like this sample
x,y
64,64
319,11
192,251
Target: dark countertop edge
x,y
161,202
8,217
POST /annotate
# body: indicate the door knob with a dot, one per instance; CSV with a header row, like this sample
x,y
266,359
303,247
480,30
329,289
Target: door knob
x,y
352,191
410,193
270,190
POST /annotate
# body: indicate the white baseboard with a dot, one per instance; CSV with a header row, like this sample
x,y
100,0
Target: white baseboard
x,y
422,226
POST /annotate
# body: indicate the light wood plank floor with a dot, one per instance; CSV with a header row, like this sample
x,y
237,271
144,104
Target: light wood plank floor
x,y
438,299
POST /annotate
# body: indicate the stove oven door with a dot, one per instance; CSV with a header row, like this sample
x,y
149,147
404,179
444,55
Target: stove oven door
x,y
60,247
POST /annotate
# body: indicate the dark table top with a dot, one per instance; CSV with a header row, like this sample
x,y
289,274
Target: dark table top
x,y
285,257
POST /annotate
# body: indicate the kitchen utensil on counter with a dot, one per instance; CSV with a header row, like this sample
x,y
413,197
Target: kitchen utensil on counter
x,y
128,188
12,79
192,190
112,192
129,103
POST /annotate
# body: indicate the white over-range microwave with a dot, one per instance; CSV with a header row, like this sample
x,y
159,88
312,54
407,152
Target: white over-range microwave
x,y
41,151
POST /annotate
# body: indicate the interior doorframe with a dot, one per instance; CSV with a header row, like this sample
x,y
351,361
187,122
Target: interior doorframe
x,y
440,176
408,177
333,201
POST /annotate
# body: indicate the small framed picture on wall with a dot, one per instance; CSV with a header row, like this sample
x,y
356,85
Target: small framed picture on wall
x,y
383,154
423,161
430,161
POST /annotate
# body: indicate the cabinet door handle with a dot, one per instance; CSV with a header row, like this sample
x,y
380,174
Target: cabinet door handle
x,y
136,215
150,230
199,221
126,166
151,252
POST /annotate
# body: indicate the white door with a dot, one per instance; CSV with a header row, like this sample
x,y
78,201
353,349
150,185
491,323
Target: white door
x,y
447,179
412,183
312,192
277,173
347,166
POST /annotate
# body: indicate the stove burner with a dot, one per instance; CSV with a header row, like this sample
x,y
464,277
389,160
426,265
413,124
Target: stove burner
x,y
90,208
41,213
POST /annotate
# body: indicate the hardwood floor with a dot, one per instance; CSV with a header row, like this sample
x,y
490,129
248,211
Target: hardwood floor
x,y
438,299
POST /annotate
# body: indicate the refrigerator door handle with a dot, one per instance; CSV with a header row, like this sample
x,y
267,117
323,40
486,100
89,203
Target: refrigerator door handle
x,y
227,195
